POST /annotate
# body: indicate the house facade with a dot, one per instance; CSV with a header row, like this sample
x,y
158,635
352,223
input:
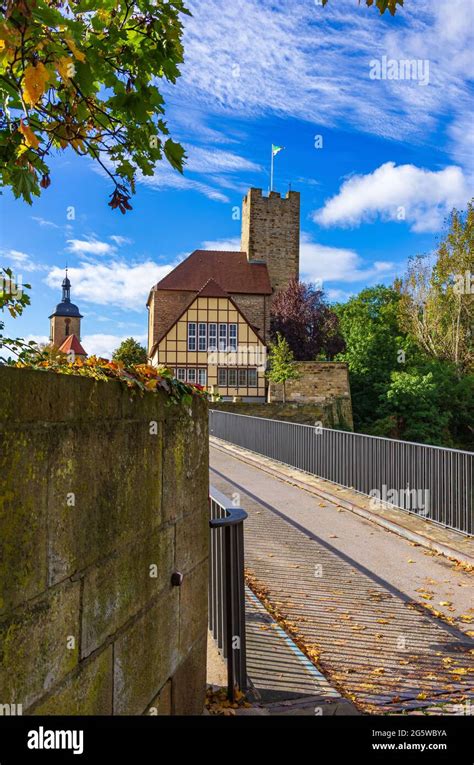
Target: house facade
x,y
209,319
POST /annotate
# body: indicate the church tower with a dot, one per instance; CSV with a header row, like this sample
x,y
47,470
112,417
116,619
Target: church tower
x,y
271,234
66,319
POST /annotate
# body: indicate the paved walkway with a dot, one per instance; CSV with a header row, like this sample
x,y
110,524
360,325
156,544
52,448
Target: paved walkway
x,y
282,679
451,543
354,594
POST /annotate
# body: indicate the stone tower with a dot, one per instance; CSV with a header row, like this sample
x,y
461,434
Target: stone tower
x,y
271,233
66,319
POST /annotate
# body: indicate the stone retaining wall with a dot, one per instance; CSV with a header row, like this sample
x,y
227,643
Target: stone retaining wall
x,y
103,496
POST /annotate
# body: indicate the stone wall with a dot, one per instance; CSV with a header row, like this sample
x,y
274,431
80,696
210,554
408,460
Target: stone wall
x,y
331,414
256,309
271,233
319,382
96,514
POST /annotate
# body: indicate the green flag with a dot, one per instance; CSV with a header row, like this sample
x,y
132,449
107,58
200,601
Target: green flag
x,y
276,149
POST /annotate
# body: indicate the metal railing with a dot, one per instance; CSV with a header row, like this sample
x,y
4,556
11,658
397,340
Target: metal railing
x,y
430,481
227,587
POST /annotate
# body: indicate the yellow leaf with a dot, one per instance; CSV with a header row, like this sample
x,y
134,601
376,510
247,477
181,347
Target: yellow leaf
x,y
422,696
77,143
30,138
72,47
34,83
65,67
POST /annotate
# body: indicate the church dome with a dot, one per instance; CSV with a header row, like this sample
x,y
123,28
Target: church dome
x,y
65,307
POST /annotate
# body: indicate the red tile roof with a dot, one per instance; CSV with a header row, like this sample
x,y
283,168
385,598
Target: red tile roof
x,y
212,289
71,343
231,270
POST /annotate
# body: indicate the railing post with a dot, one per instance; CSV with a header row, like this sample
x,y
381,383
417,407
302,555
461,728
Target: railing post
x,y
226,586
229,613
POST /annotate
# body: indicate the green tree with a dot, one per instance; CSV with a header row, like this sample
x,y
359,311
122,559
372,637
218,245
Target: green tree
x,y
375,347
130,352
282,363
437,303
412,405
82,74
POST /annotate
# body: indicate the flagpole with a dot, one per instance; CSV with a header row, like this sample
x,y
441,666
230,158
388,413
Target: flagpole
x,y
271,172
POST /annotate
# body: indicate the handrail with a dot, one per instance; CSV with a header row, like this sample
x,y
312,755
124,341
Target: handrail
x,y
226,586
346,432
236,515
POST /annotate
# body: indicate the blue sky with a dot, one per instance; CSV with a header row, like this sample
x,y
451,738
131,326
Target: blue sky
x,y
396,156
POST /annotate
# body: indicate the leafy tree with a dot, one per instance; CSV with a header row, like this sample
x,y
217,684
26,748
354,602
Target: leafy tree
x,y
437,305
301,315
282,363
82,74
382,5
375,347
14,299
412,403
130,352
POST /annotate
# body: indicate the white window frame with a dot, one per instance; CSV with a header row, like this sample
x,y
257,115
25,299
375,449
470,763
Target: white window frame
x,y
202,376
202,336
252,384
221,371
233,337
181,374
222,337
191,373
240,384
232,372
191,335
212,336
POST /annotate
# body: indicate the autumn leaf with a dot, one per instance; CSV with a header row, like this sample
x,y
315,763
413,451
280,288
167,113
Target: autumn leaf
x,y
72,47
65,67
30,139
34,83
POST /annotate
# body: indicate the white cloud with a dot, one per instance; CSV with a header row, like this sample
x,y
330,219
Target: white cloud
x,y
217,161
338,296
116,283
223,244
121,240
44,223
104,345
299,60
39,339
20,261
319,262
422,198
89,246
165,177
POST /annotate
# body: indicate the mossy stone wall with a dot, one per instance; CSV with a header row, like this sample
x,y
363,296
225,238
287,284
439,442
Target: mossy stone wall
x,y
103,495
335,413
